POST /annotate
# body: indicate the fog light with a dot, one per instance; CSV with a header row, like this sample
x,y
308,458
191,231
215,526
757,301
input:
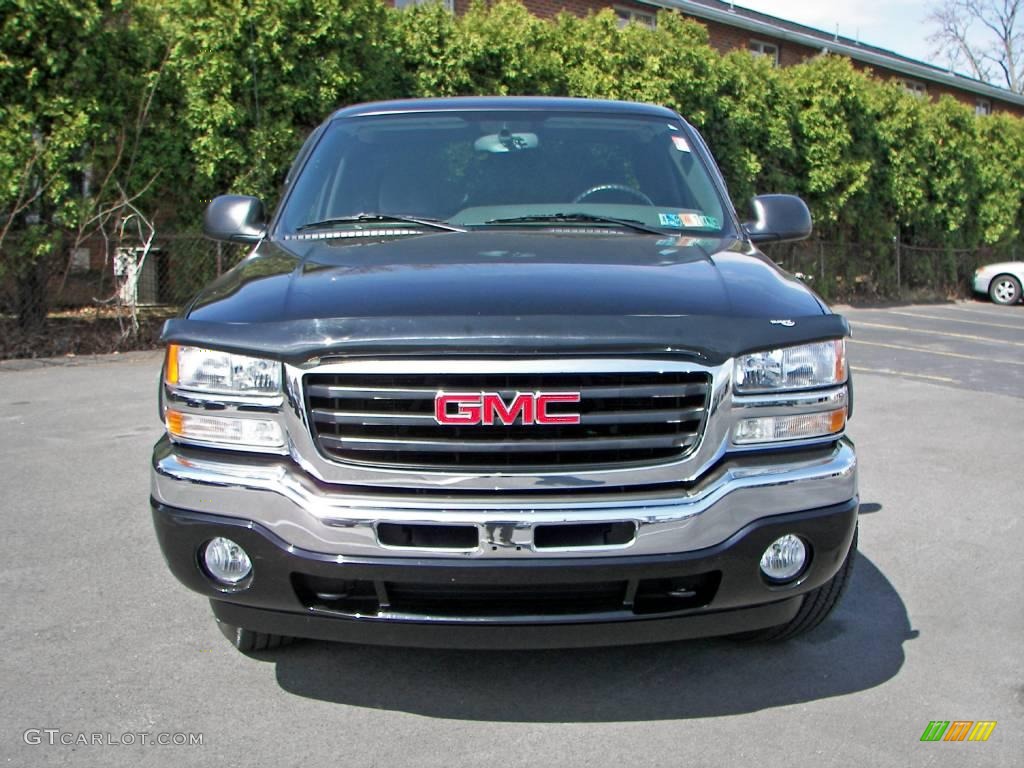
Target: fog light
x,y
784,559
226,561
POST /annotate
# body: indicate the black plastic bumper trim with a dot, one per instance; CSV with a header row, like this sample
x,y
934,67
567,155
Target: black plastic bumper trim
x,y
507,637
742,601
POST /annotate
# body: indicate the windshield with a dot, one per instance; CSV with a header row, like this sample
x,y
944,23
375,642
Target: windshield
x,y
505,169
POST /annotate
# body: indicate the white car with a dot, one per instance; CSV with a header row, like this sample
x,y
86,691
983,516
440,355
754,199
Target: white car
x,y
1000,281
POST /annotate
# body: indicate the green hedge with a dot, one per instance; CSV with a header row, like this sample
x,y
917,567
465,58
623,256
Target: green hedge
x,y
237,85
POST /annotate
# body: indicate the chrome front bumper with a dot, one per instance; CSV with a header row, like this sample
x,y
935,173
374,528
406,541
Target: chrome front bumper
x,y
312,515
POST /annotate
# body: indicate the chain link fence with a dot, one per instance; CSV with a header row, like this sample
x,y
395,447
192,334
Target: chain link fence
x,y
81,300
852,272
96,273
102,296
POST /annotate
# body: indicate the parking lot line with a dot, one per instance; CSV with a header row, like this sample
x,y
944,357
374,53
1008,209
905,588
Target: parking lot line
x,y
935,352
977,311
890,372
949,334
948,319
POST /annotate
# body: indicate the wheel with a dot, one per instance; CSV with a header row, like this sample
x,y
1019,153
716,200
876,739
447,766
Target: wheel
x,y
817,605
248,641
1004,289
613,188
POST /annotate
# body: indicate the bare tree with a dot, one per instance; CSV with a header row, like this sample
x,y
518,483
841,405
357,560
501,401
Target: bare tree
x,y
112,213
986,35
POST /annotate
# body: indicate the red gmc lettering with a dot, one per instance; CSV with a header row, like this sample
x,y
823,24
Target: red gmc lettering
x,y
560,397
494,407
468,411
489,408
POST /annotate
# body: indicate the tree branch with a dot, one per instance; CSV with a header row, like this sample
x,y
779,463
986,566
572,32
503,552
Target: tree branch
x,y
998,45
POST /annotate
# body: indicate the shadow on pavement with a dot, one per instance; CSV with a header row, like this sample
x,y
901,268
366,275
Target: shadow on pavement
x,y
858,647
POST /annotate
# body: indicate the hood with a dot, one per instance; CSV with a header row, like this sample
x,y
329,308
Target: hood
x,y
509,273
505,293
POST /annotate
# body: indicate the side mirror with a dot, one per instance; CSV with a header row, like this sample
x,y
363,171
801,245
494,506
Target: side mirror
x,y
235,218
779,218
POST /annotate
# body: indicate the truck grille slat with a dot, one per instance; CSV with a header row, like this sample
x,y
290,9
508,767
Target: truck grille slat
x,y
427,393
626,419
518,446
323,415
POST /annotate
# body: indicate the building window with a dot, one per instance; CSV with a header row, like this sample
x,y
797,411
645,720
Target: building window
x,y
769,50
449,5
630,15
915,88
983,107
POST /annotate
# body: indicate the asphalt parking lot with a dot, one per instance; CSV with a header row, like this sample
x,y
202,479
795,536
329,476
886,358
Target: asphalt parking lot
x,y
970,345
99,638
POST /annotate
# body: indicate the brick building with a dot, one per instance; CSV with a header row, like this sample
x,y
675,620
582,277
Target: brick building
x,y
732,27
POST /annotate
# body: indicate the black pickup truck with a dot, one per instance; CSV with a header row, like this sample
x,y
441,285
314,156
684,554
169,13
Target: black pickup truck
x,y
506,372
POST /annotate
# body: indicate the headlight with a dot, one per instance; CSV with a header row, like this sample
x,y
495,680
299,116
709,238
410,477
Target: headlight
x,y
222,400
821,364
207,370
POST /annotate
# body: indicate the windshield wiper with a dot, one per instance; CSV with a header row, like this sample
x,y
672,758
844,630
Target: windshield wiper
x,y
380,218
639,226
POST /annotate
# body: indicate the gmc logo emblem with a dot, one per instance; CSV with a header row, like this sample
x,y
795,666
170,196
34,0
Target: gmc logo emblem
x,y
489,408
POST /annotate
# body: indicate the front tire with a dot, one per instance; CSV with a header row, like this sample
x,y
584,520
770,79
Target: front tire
x,y
817,605
1004,289
249,641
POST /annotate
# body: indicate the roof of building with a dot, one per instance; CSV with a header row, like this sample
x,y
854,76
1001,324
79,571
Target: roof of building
x,y
772,26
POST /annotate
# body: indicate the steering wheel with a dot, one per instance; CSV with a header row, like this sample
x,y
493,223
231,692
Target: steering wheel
x,y
614,187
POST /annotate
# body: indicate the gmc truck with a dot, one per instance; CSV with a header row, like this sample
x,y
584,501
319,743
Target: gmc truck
x,y
506,373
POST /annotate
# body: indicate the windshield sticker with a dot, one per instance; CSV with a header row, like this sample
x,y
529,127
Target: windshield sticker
x,y
681,143
700,220
690,220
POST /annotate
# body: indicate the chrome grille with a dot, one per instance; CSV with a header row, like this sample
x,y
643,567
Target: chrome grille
x,y
387,419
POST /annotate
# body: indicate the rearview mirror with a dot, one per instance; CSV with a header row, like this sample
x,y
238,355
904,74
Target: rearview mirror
x,y
779,218
506,141
235,218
